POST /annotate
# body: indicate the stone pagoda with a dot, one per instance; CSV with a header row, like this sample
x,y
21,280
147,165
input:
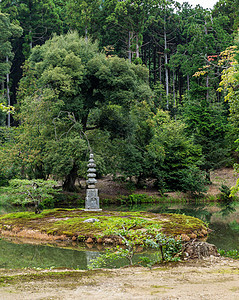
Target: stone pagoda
x,y
92,198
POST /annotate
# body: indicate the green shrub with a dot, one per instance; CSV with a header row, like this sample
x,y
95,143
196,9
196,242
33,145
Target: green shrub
x,y
27,192
192,180
140,198
225,194
68,200
231,253
169,247
3,180
136,199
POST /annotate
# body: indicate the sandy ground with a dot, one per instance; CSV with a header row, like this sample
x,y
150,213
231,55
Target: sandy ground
x,y
210,279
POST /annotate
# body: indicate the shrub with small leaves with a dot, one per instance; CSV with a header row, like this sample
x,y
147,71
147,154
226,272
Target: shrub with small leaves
x,y
27,192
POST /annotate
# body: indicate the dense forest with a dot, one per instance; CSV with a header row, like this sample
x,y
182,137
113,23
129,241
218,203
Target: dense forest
x,y
150,87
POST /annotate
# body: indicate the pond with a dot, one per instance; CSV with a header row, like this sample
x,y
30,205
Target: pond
x,y
223,219
16,255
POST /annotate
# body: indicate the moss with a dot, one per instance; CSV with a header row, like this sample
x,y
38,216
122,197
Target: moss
x,y
179,224
228,271
161,287
70,222
234,289
76,275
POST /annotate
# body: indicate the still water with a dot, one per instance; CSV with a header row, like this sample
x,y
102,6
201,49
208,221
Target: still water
x,y
15,255
223,219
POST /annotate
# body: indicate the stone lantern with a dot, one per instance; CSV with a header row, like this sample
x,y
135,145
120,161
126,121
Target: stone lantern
x,y
92,198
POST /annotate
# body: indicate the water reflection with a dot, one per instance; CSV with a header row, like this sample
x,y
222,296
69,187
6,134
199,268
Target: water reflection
x,y
90,255
227,207
199,211
17,256
40,256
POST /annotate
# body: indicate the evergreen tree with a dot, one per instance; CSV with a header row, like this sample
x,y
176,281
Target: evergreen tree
x,y
73,82
8,31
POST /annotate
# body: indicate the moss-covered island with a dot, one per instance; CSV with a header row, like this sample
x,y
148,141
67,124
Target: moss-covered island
x,y
105,227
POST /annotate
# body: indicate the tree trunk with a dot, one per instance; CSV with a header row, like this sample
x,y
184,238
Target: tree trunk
x,y
207,85
39,172
188,83
30,28
180,86
84,119
129,47
69,183
149,53
166,63
155,63
207,78
86,33
174,94
208,177
137,45
8,98
160,69
199,249
30,44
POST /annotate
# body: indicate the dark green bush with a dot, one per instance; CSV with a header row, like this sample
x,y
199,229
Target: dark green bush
x,y
3,180
225,194
68,200
231,253
140,198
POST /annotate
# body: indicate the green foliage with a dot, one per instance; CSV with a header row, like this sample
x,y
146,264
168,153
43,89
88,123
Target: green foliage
x,y
140,198
8,30
193,180
173,157
72,95
83,15
27,192
234,225
230,253
3,180
109,257
208,125
37,28
169,247
228,10
225,194
82,77
76,95
66,200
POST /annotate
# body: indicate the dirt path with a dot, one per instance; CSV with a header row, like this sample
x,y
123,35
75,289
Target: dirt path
x,y
209,279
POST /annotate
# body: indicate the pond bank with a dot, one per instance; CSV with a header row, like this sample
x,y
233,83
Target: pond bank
x,y
211,278
99,227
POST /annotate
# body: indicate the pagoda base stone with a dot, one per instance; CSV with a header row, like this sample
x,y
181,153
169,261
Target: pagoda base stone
x,y
92,200
92,209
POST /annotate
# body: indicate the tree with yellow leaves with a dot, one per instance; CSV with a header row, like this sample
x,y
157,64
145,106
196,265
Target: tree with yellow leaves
x,y
229,84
